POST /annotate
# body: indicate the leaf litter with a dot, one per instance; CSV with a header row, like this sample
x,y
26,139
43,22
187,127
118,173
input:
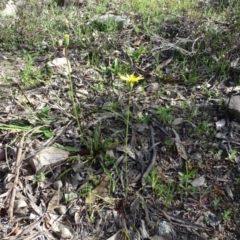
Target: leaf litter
x,y
46,195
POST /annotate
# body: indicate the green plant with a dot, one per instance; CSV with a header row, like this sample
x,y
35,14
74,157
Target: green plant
x,y
164,190
68,197
216,201
94,57
144,118
130,79
202,129
105,26
30,77
136,54
86,189
66,42
192,77
99,144
218,155
185,180
99,87
226,215
232,154
165,114
169,142
116,67
153,178
41,177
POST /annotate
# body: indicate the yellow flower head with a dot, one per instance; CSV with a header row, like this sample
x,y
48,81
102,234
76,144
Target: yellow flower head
x,y
66,40
131,79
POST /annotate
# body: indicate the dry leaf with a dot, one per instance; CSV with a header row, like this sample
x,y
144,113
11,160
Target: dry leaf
x,y
177,121
180,146
156,237
54,202
47,158
164,64
218,191
198,182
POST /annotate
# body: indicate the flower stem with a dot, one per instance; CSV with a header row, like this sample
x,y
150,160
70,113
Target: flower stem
x,y
126,140
72,97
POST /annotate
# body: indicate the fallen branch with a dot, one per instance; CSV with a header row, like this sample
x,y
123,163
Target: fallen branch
x,y
14,189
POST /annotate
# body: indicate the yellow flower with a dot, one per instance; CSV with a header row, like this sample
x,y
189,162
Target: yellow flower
x,y
66,40
131,79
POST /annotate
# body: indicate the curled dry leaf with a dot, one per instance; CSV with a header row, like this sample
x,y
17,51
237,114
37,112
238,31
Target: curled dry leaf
x,y
72,210
54,202
100,190
180,146
61,209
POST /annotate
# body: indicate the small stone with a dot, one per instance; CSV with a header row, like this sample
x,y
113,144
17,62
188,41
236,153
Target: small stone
x,y
57,185
65,233
196,156
10,10
153,87
119,20
164,228
198,182
60,209
234,106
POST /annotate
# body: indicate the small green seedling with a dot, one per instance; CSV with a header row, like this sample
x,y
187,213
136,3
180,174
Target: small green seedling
x,y
185,180
136,54
165,115
232,154
144,118
164,190
40,178
226,215
216,202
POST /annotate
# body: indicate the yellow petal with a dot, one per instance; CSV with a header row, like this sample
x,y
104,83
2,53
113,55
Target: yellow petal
x,y
123,77
133,78
130,79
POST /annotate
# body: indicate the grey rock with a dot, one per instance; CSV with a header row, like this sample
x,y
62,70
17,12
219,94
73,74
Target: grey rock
x,y
119,20
153,87
9,9
196,156
234,106
166,231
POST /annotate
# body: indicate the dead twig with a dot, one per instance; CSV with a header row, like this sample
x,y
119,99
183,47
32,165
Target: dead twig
x,y
14,189
152,160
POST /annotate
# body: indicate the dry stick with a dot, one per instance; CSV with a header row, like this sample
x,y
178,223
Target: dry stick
x,y
14,189
152,160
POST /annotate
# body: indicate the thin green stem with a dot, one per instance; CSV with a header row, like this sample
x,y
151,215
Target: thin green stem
x,y
126,139
72,98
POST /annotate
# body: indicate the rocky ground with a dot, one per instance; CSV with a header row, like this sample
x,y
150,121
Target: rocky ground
x,y
67,170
